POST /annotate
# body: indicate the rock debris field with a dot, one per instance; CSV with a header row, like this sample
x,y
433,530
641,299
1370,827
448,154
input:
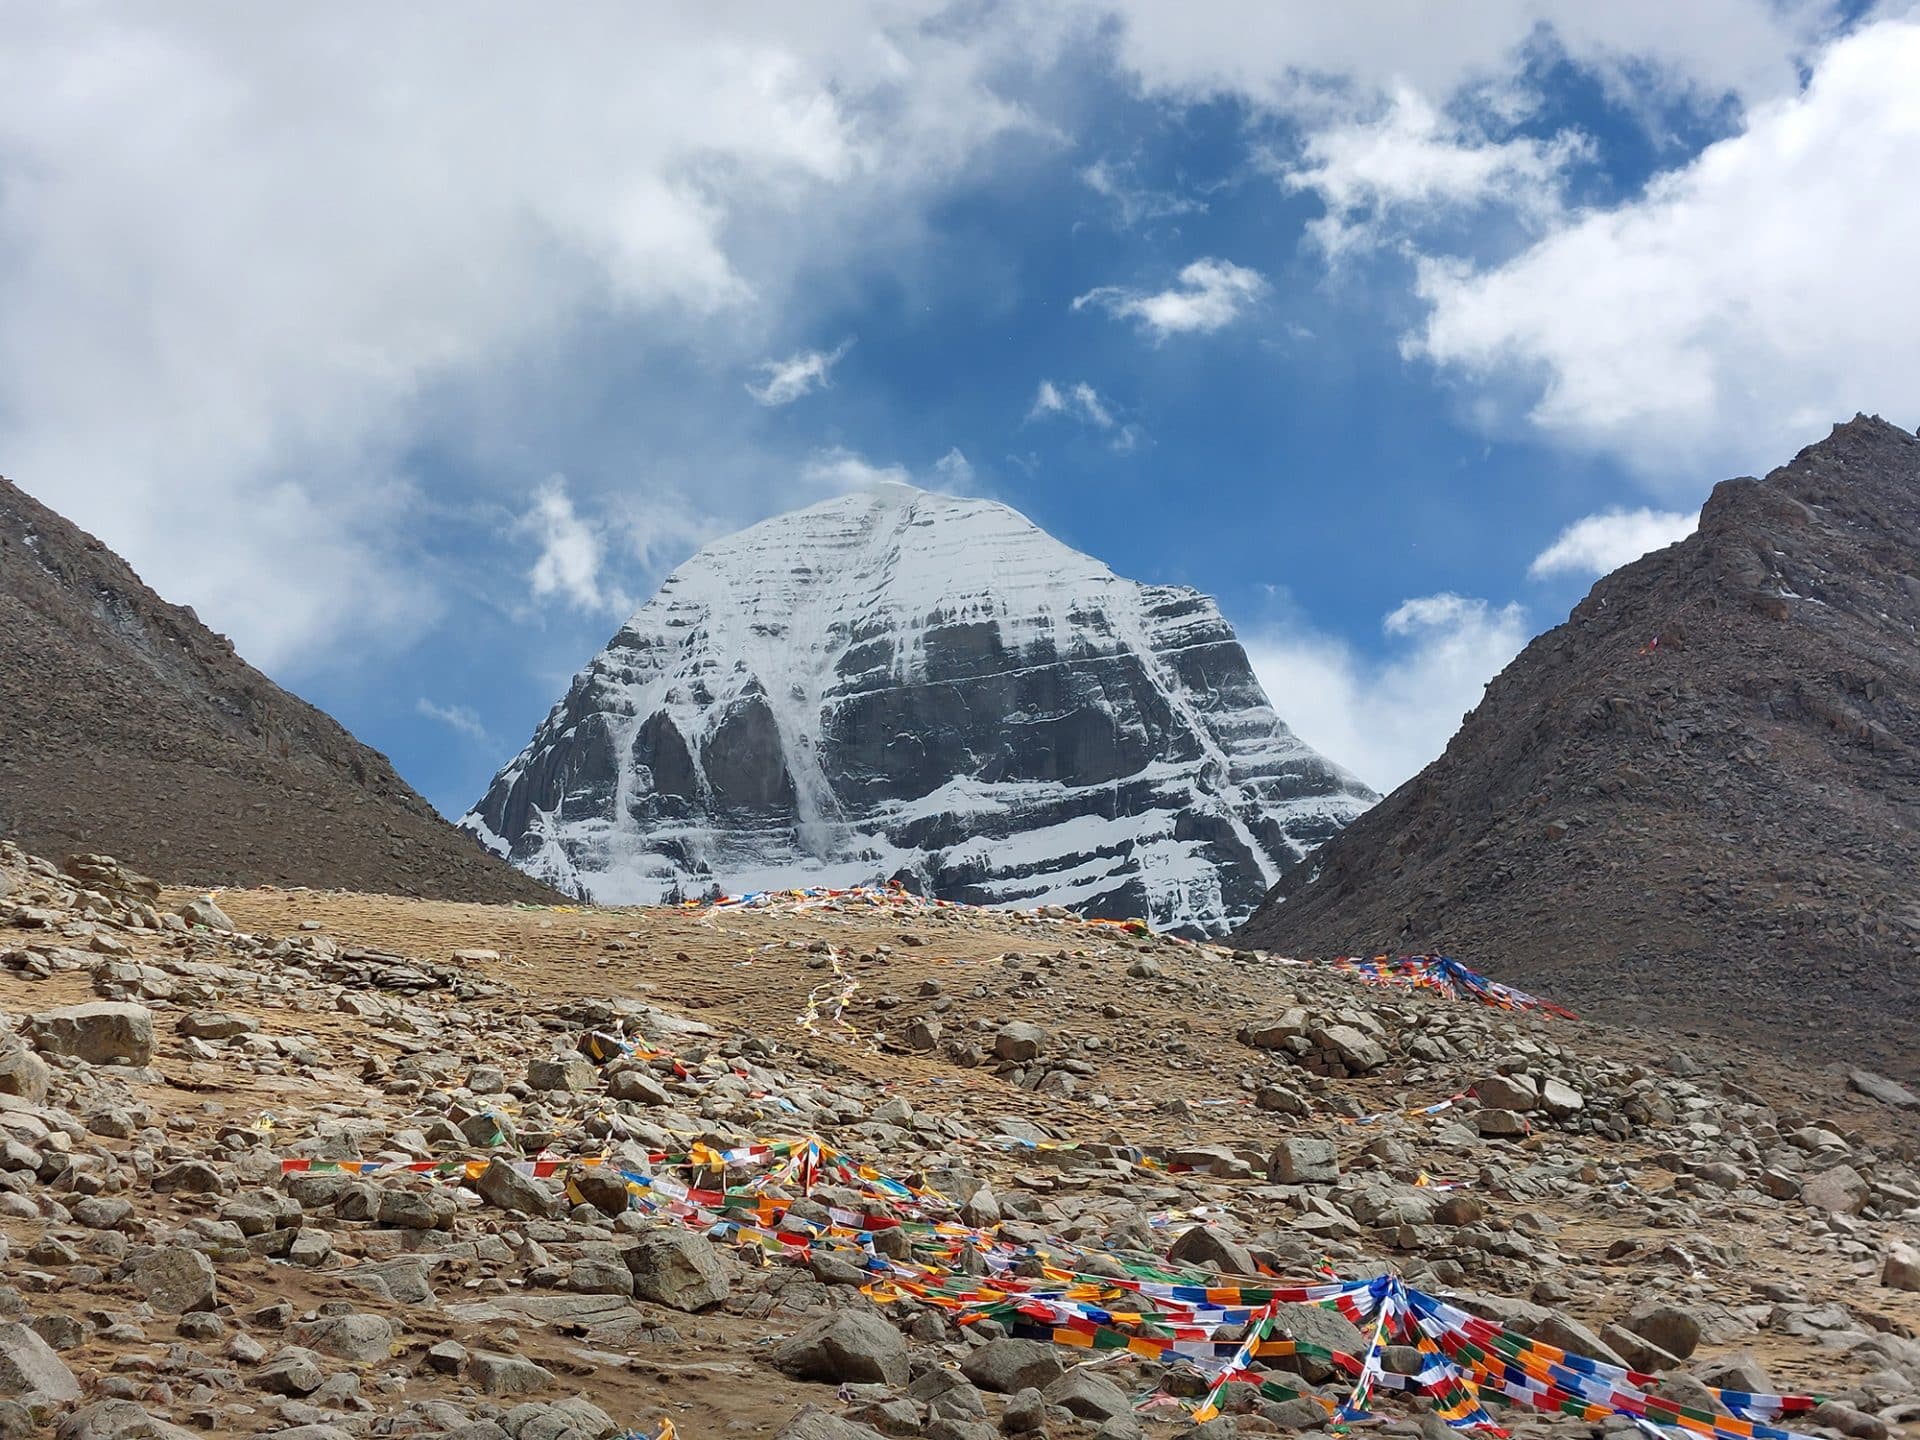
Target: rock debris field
x,y
322,1165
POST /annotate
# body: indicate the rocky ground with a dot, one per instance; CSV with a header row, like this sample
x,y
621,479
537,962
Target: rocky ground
x,y
1114,1102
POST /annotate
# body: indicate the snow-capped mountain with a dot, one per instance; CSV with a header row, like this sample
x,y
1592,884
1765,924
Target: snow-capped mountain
x,y
902,683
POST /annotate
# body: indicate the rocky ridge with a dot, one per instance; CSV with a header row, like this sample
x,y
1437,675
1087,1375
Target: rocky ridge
x,y
1698,800
125,721
903,684
166,1272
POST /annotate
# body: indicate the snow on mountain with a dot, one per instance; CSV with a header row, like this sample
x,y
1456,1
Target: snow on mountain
x,y
902,683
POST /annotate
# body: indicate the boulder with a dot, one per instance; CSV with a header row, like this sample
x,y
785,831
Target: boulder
x,y
1206,1246
101,1032
29,1367
853,1345
506,1374
1507,1092
810,1422
174,1280
1089,1395
1304,1160
1317,1326
1018,1042
1360,1054
1900,1270
1879,1087
502,1185
203,912
22,1072
1007,1367
1839,1191
1674,1330
360,1339
678,1268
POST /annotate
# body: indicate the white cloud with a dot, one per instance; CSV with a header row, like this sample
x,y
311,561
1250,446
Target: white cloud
x,y
237,249
1600,544
787,380
1133,201
952,473
1744,301
568,566
837,470
1079,401
1306,57
1385,717
1211,294
460,718
1412,164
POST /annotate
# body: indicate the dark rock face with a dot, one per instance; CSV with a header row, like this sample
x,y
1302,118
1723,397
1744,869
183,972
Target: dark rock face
x,y
127,726
903,684
1698,800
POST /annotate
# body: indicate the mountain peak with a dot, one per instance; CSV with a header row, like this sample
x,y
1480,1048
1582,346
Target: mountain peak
x,y
901,682
1699,796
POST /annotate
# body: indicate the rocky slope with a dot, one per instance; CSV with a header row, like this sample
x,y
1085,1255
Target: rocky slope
x,y
1698,800
125,721
285,1173
901,683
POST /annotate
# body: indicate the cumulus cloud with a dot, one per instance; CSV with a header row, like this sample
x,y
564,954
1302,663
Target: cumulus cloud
x,y
785,381
237,249
1600,544
1385,716
1210,295
1311,58
460,718
1741,303
1411,165
569,564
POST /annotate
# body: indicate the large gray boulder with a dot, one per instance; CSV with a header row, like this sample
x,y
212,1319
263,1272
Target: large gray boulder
x,y
22,1072
101,1032
675,1267
1007,1367
174,1280
29,1367
854,1345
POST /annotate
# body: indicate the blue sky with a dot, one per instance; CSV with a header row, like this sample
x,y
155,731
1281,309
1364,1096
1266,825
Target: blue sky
x,y
414,365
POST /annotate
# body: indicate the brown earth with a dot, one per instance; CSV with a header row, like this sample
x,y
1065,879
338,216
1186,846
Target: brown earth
x,y
126,724
1697,802
1592,1217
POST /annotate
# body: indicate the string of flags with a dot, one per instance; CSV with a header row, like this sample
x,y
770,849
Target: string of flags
x,y
1447,976
744,1195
